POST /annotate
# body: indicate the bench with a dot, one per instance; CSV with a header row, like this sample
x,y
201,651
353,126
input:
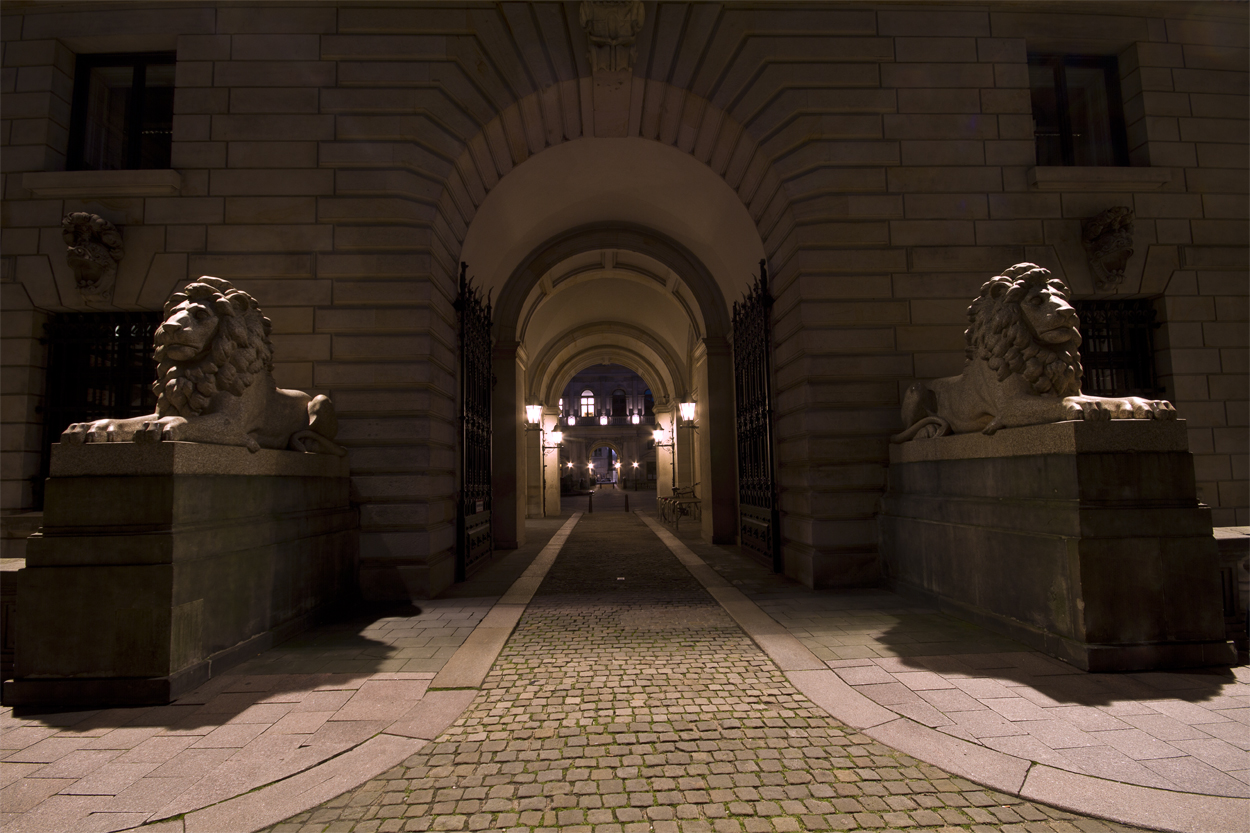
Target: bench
x,y
682,503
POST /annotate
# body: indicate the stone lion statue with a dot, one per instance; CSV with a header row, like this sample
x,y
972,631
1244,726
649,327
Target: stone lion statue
x,y
93,248
214,382
1023,366
1108,242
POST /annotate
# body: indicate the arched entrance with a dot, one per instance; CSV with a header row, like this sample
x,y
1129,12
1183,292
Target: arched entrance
x,y
642,281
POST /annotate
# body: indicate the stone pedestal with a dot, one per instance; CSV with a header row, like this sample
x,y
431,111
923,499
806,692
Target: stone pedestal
x,y
160,565
1082,540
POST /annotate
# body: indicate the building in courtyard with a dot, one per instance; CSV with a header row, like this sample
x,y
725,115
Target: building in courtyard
x,y
616,177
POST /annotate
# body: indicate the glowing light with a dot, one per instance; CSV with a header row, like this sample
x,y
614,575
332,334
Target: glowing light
x,y
556,437
533,413
661,436
687,411
572,420
635,465
634,417
603,419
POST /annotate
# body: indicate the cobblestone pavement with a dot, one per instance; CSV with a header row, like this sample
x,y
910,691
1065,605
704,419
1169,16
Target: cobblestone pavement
x,y
628,700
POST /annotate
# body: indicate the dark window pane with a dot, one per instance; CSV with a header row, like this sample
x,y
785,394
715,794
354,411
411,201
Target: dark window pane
x,y
1077,115
122,114
1089,109
156,129
108,106
1046,126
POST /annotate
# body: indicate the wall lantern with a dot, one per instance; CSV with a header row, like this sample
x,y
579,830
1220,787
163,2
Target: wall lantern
x,y
661,436
634,417
687,411
603,419
533,413
572,420
556,438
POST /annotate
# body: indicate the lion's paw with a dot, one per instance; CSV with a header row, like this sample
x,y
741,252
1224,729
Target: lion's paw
x,y
1088,408
1151,408
158,430
79,433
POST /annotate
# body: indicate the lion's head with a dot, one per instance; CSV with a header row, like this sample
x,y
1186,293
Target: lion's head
x,y
214,338
1022,323
1108,241
93,248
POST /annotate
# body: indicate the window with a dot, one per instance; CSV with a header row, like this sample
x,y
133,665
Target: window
x,y
123,112
648,402
1117,347
99,365
618,403
588,403
1078,117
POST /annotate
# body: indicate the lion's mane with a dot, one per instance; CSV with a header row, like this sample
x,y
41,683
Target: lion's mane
x,y
240,349
999,335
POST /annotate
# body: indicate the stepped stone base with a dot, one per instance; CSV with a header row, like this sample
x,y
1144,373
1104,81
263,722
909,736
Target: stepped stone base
x,y
158,566
1083,540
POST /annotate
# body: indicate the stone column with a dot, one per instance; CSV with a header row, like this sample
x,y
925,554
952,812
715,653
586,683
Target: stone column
x,y
687,443
664,460
533,470
508,454
551,464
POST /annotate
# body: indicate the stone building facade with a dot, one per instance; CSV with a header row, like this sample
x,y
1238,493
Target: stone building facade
x,y
614,174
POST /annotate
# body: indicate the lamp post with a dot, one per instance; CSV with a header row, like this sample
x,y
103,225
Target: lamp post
x,y
635,475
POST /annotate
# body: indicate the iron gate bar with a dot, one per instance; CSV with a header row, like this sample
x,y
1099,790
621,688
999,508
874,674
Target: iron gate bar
x,y
474,541
759,518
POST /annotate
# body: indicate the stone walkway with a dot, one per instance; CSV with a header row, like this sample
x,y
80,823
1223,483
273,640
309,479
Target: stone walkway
x,y
627,699
627,696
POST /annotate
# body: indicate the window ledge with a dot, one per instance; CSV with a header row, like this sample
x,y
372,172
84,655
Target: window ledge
x,y
55,184
1064,178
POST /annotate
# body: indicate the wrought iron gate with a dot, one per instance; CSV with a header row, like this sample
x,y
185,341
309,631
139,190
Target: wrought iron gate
x,y
473,534
759,524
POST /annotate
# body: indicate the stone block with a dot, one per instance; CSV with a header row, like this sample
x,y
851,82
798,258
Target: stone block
x,y
232,183
158,566
1083,540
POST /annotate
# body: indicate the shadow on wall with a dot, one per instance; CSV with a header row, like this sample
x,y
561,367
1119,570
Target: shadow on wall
x,y
320,658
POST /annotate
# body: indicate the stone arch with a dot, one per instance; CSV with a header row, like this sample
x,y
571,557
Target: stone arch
x,y
561,374
627,236
713,250
660,112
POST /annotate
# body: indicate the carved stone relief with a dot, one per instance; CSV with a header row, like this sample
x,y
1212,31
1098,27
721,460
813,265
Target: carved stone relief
x,y
93,250
1108,241
611,27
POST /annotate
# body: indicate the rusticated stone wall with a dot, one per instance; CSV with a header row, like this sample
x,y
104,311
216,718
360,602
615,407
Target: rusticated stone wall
x,y
330,160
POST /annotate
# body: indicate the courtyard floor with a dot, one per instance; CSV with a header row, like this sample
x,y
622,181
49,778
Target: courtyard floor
x,y
611,675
